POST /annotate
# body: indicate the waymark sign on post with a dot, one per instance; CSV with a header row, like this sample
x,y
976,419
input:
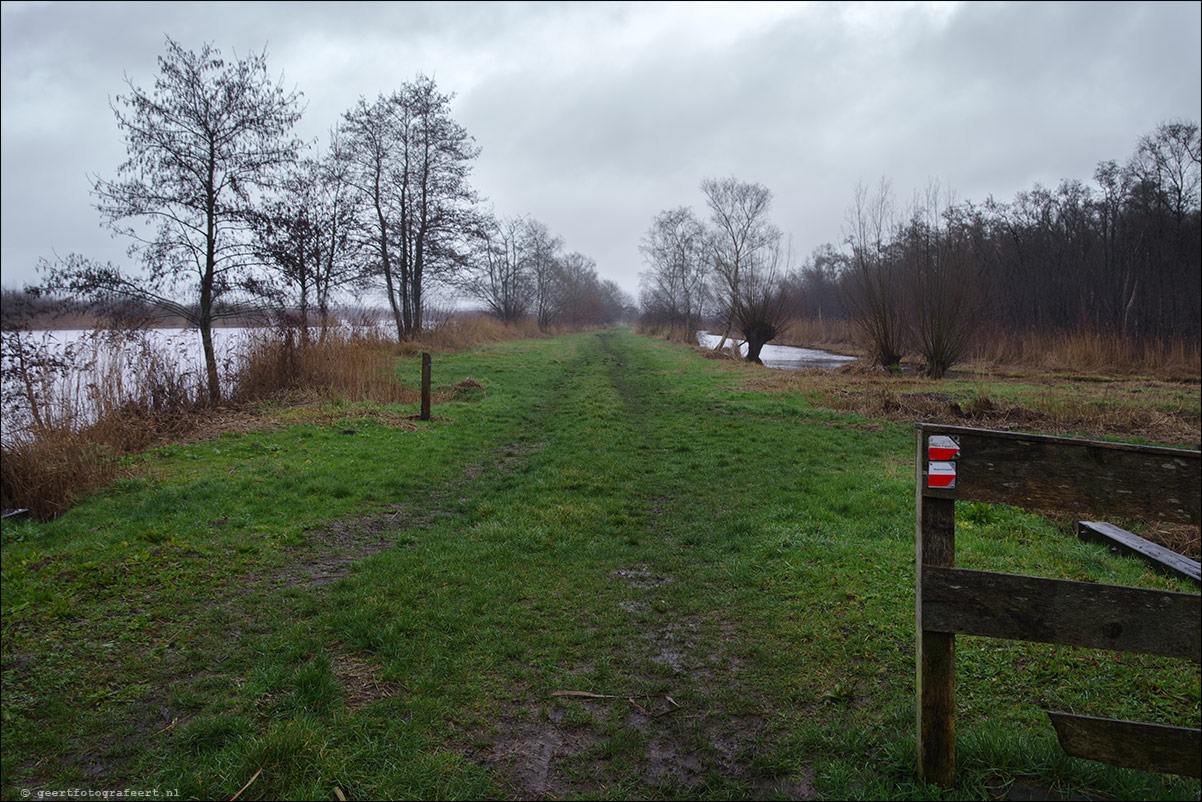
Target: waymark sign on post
x,y
943,448
941,474
941,470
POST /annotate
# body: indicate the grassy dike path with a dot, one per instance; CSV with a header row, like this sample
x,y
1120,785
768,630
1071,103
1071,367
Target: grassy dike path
x,y
353,604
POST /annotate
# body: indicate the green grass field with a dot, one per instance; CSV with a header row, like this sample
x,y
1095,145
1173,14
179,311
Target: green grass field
x,y
350,604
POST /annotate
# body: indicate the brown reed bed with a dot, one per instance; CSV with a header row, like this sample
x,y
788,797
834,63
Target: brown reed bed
x,y
468,330
826,333
1082,351
357,366
1087,351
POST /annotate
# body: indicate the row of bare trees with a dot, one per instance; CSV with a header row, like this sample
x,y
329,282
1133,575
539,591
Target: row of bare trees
x,y
1123,255
229,214
520,270
909,281
732,266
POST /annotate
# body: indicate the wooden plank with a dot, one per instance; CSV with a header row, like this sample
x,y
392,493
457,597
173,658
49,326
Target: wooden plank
x,y
1085,614
935,656
1084,477
1130,744
1158,556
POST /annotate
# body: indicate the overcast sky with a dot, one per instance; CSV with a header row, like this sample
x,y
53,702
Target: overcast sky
x,y
593,117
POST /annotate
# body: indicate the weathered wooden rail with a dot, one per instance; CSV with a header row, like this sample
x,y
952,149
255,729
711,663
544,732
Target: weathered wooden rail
x,y
1156,555
1057,475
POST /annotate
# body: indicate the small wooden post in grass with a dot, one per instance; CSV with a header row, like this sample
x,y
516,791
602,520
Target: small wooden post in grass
x,y
425,386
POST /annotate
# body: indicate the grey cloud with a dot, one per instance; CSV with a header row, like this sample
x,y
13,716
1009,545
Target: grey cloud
x,y
593,117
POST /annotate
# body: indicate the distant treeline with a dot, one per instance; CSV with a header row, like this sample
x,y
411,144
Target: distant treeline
x,y
28,308
1121,255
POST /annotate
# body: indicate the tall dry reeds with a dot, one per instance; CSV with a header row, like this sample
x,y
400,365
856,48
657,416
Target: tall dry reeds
x,y
1089,352
356,364
674,333
71,412
43,474
1081,351
345,364
831,333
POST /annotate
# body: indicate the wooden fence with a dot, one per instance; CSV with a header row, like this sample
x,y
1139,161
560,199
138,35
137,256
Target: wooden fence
x,y
1057,475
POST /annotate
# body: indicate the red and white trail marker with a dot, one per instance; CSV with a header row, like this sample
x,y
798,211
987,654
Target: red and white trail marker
x,y
941,474
941,447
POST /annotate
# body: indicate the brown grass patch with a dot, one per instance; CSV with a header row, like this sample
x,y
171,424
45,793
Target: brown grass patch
x,y
360,680
830,334
468,330
1181,538
358,366
1080,351
1163,412
44,474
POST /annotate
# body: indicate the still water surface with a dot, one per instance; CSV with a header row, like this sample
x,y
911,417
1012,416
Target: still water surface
x,y
785,357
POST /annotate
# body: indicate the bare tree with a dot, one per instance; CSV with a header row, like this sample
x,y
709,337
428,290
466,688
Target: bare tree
x,y
500,274
1167,168
740,228
338,209
765,303
577,292
303,236
874,291
616,304
369,162
542,252
942,289
815,285
437,202
209,136
410,163
674,251
1170,159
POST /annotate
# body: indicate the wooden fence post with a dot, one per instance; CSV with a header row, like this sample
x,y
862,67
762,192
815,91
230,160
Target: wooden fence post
x,y
425,386
936,651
